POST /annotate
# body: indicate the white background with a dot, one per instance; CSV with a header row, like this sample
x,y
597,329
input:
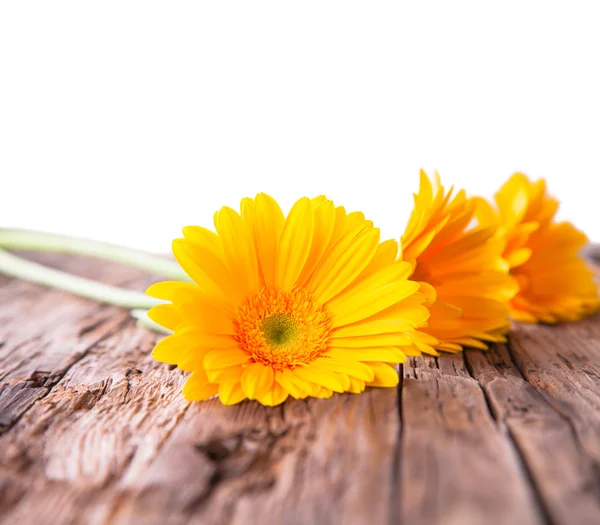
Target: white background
x,y
124,121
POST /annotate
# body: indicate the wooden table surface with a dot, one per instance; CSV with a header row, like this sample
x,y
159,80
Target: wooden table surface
x,y
92,430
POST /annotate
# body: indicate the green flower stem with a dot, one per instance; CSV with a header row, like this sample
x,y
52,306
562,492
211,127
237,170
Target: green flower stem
x,y
18,267
29,240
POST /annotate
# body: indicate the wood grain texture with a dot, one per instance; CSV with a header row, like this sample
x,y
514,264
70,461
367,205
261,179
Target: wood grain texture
x,y
92,430
456,465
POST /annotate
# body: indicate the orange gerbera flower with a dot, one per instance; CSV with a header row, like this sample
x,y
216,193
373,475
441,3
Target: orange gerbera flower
x,y
303,305
555,283
460,269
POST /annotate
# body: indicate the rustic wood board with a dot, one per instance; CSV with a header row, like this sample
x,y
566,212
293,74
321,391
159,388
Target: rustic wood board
x,y
92,430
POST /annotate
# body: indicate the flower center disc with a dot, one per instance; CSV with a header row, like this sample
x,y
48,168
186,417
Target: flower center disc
x,y
279,330
282,329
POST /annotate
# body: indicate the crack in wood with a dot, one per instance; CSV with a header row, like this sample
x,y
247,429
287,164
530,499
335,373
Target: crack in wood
x,y
511,443
396,482
548,400
51,380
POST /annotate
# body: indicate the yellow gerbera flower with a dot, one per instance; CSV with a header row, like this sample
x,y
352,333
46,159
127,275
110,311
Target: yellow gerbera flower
x,y
460,269
554,282
303,305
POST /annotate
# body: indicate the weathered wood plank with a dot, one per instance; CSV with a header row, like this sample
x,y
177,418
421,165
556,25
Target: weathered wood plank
x,y
98,428
456,467
97,432
316,461
566,477
43,332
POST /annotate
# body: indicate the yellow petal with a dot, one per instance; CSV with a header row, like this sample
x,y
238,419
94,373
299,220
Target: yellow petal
x,y
166,289
274,396
183,349
320,377
257,380
323,230
348,266
469,341
385,375
168,350
205,318
416,316
518,257
484,212
198,388
368,304
385,354
478,307
397,271
204,267
192,358
370,340
385,255
297,387
224,357
372,326
294,244
225,375
351,368
269,221
165,315
335,250
239,250
231,393
356,386
322,392
199,235
466,243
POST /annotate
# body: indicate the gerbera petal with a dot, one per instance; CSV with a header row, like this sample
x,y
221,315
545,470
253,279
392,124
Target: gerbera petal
x,y
416,316
257,380
192,358
201,236
296,386
198,388
356,385
225,375
224,357
203,267
320,377
322,392
166,289
294,244
335,251
206,319
371,303
365,341
231,393
168,350
385,354
518,257
269,221
323,230
165,315
239,250
397,271
341,366
385,255
372,326
348,266
274,396
384,375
